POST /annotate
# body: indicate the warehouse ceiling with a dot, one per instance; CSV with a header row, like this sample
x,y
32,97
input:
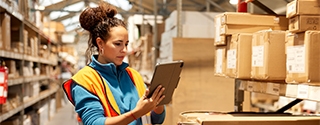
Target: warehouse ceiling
x,y
67,11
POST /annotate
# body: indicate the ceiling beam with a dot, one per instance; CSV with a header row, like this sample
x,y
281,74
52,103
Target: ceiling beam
x,y
216,5
146,7
120,10
64,17
60,5
72,24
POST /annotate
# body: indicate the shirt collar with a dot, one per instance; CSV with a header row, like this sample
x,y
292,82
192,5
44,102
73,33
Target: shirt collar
x,y
106,68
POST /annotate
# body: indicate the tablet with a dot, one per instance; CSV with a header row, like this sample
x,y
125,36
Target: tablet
x,y
168,75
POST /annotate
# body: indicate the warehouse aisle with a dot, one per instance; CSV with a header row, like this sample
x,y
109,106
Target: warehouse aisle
x,y
64,116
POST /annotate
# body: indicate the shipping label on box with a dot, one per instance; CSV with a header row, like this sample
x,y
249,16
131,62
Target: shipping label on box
x,y
217,29
238,62
296,59
231,59
303,58
302,7
257,56
294,38
304,23
268,55
220,61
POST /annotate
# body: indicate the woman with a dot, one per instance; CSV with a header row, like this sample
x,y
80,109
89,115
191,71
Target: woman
x,y
107,91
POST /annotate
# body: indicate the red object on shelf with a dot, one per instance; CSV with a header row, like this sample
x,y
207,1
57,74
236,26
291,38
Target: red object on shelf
x,y
242,6
3,83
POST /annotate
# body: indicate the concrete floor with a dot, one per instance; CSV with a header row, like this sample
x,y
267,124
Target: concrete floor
x,y
64,116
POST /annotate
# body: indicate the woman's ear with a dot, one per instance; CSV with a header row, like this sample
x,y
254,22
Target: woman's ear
x,y
99,42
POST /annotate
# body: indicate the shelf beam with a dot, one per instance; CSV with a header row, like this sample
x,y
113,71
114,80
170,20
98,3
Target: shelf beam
x,y
28,103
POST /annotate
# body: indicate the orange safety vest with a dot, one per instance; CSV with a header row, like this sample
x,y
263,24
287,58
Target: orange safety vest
x,y
91,80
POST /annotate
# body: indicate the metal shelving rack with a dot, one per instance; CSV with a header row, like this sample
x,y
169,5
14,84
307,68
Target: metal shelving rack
x,y
24,23
301,91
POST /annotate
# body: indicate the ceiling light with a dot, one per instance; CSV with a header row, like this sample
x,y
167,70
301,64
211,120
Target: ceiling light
x,y
233,2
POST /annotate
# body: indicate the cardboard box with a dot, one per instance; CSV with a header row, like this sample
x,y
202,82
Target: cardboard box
x,y
304,23
223,40
232,29
303,57
302,7
11,64
268,55
17,45
236,18
5,31
198,88
220,61
293,39
238,56
220,118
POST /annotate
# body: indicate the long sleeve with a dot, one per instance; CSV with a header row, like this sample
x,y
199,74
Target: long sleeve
x,y
158,118
88,106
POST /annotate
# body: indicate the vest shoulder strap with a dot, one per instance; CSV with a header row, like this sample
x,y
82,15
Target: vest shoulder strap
x,y
137,80
90,79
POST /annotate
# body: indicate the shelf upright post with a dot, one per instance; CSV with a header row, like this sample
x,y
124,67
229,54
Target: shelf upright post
x,y
21,39
155,34
238,96
208,5
179,20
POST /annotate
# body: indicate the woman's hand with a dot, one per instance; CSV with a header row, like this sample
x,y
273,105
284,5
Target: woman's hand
x,y
145,105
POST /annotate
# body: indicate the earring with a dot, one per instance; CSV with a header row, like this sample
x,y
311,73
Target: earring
x,y
102,51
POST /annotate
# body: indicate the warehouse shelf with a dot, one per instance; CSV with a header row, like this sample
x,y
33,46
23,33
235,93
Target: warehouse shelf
x,y
31,58
11,10
306,91
46,61
36,78
41,96
10,113
12,55
15,81
30,102
31,26
19,56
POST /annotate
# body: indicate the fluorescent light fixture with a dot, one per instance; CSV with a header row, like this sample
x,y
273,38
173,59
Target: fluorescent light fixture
x,y
40,7
233,2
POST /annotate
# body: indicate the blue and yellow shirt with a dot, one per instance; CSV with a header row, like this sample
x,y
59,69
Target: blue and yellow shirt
x,y
122,92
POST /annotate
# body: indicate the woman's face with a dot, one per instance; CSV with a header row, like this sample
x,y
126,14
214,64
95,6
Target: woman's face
x,y
115,48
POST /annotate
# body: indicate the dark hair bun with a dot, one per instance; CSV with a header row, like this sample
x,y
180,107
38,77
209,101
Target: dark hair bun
x,y
91,17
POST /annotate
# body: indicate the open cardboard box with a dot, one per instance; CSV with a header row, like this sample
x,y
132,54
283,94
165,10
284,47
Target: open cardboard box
x,y
244,118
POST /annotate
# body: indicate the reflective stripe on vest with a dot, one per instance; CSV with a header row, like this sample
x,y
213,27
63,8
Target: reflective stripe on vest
x,y
91,80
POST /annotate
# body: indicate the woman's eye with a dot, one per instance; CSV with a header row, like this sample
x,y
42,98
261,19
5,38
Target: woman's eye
x,y
126,44
118,44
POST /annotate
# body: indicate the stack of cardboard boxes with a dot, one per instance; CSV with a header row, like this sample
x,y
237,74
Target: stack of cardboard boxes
x,y
302,42
244,44
266,48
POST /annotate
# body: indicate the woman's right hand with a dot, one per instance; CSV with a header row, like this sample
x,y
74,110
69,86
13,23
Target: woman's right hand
x,y
145,105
